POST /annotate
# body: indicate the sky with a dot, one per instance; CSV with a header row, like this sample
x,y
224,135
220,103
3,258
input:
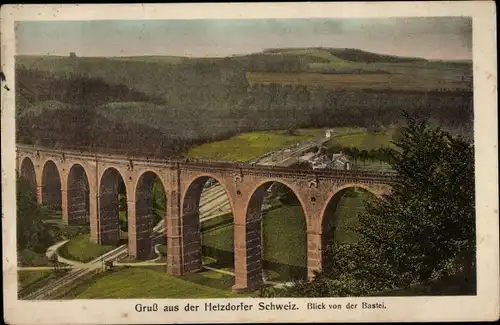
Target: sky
x,y
440,38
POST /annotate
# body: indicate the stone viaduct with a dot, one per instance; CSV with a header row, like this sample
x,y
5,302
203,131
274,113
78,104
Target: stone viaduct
x,y
85,186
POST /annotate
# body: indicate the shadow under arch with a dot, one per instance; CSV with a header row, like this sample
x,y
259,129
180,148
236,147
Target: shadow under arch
x,y
51,185
340,215
150,209
78,196
216,205
110,186
276,232
28,175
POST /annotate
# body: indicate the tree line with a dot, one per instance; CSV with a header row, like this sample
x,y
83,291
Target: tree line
x,y
382,154
79,90
275,106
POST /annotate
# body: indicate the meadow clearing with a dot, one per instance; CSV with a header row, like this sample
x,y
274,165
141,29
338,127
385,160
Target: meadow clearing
x,y
374,81
248,146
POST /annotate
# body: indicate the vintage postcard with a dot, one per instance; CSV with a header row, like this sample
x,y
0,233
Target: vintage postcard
x,y
235,163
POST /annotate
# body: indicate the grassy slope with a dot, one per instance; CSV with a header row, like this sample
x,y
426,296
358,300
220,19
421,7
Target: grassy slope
x,y
364,140
442,74
153,282
82,249
251,145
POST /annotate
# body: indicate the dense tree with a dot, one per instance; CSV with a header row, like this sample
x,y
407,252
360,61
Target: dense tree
x,y
422,233
32,233
74,89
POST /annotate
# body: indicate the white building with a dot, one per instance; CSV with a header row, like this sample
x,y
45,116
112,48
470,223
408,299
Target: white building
x,y
340,161
306,157
319,160
328,133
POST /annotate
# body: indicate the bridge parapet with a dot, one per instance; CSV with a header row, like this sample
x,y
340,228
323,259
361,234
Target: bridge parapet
x,y
218,166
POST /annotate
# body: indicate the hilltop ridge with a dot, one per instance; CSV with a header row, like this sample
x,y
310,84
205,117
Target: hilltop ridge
x,y
329,53
346,54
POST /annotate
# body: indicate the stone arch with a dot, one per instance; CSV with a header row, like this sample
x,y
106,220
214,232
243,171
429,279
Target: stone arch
x,y
259,191
191,234
28,175
109,206
374,190
331,227
143,240
51,185
197,182
257,241
78,196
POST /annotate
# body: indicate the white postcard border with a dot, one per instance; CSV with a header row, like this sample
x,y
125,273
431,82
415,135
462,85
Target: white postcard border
x,y
484,306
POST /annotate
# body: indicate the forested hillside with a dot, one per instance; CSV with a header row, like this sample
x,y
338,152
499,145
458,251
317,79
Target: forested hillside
x,y
163,105
63,112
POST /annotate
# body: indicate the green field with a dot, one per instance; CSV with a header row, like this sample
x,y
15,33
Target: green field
x,y
153,282
83,250
251,145
364,140
248,146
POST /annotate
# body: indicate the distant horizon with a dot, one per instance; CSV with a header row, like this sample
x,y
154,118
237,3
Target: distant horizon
x,y
238,55
430,38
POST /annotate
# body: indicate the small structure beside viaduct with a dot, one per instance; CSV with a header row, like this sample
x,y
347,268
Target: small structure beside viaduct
x,y
85,186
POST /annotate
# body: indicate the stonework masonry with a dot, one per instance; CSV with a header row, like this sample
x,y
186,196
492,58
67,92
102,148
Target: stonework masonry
x,y
85,186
